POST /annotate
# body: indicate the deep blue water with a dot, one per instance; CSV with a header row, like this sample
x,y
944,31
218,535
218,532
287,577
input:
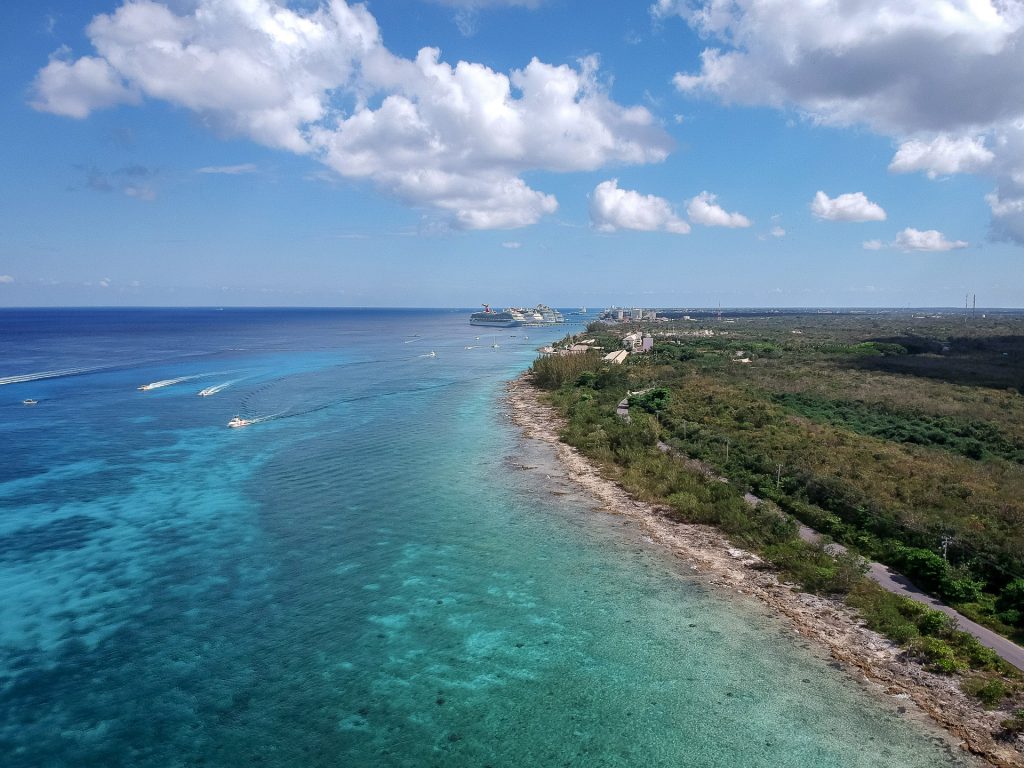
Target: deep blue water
x,y
366,577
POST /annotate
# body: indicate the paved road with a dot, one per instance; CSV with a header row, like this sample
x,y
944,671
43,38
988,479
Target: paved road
x,y
899,584
885,577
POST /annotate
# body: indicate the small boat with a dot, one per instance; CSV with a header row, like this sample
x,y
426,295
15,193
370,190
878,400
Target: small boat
x,y
208,391
156,385
239,422
29,401
432,354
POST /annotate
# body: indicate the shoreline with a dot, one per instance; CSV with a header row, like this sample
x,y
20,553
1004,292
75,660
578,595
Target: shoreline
x,y
710,558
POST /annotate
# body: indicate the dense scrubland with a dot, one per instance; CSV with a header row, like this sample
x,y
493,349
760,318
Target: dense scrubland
x,y
899,435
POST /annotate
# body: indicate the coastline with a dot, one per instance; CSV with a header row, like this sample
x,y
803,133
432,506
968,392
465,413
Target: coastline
x,y
832,626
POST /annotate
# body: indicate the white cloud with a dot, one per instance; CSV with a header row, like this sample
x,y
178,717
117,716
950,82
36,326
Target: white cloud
x,y
876,62
512,244
873,245
78,88
853,206
929,240
229,170
881,64
1007,205
702,209
6,279
612,208
777,231
320,82
942,156
104,282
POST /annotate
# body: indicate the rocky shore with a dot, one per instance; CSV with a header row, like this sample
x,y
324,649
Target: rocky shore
x,y
710,557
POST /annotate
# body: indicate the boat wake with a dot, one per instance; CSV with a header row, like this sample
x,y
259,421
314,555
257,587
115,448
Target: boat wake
x,y
165,383
217,388
171,382
49,374
238,421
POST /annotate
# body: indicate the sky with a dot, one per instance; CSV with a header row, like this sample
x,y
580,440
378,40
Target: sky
x,y
432,153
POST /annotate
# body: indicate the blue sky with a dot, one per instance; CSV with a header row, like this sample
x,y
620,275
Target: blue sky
x,y
660,153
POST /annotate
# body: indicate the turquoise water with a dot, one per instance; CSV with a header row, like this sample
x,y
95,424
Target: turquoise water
x,y
369,578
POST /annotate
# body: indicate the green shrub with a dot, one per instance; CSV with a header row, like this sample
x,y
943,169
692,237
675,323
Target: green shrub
x,y
989,690
937,654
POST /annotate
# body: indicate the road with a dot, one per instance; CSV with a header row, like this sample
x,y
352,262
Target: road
x,y
899,584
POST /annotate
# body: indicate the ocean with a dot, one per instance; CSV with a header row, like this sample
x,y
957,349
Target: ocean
x,y
379,571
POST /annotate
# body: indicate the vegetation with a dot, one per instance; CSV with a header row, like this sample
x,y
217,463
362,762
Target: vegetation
x,y
900,436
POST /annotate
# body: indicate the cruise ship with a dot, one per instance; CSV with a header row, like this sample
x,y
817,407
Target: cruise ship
x,y
548,315
495,319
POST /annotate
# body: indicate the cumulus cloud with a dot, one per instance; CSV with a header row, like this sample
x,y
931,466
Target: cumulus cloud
x,y
454,138
75,89
5,279
612,208
880,64
911,239
702,209
875,62
777,231
853,206
942,156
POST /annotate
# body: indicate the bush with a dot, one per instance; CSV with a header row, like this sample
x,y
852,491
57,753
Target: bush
x,y
989,690
1013,726
657,399
937,654
552,371
1010,603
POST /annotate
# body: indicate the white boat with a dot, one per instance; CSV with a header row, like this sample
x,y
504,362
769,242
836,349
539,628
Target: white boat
x,y
239,422
209,391
29,401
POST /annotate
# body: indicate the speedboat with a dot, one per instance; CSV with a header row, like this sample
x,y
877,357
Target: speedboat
x,y
208,391
29,401
239,422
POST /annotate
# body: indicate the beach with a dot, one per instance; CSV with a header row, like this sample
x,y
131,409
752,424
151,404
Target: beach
x,y
707,556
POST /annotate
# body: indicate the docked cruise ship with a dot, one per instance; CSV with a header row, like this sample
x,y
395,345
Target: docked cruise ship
x,y
548,315
505,319
509,318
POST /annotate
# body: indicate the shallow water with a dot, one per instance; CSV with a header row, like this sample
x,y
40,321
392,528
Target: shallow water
x,y
364,579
